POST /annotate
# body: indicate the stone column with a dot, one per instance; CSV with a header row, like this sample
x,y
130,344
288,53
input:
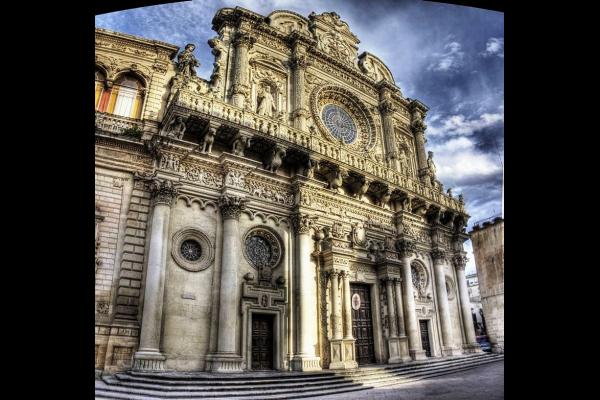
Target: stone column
x,y
347,307
226,359
399,311
391,308
406,248
305,359
335,306
439,257
240,88
148,357
300,113
386,108
471,346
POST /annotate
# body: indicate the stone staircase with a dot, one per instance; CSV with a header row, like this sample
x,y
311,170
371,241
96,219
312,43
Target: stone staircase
x,y
276,385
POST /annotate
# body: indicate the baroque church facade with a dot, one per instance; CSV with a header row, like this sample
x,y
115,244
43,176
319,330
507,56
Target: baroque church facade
x,y
282,215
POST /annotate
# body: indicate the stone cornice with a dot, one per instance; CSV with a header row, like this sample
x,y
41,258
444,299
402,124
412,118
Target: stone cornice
x,y
136,41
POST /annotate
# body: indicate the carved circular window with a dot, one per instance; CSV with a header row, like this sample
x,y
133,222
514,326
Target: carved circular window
x,y
262,248
192,250
339,123
340,115
419,278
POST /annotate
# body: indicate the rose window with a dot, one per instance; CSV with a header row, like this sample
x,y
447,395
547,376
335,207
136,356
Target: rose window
x,y
259,250
191,250
339,123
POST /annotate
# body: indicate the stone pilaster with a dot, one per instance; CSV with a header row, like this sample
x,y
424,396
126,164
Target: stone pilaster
x,y
240,89
305,359
347,307
336,314
402,339
148,357
300,112
471,345
387,109
406,248
439,259
227,359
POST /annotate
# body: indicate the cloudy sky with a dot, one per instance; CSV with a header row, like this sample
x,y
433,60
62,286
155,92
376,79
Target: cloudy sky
x,y
449,57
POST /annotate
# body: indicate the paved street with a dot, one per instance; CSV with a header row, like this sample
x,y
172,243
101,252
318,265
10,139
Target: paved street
x,y
481,383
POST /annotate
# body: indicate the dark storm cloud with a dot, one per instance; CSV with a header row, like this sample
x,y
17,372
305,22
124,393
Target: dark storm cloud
x,y
450,57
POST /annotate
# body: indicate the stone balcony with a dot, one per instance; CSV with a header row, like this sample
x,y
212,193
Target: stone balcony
x,y
205,106
114,124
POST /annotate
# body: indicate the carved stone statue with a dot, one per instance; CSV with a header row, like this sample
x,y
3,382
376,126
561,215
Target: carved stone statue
x,y
336,180
449,192
275,158
384,198
239,144
187,62
431,169
209,139
176,128
310,168
362,188
266,105
403,161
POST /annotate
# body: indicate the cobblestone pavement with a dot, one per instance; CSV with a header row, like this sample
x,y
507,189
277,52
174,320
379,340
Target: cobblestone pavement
x,y
481,383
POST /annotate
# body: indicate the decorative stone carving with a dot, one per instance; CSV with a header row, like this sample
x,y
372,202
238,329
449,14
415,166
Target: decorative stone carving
x,y
163,192
359,235
169,161
187,62
438,255
302,223
362,187
405,247
275,158
266,104
460,261
336,179
420,279
209,139
240,143
192,250
263,250
384,198
231,206
176,128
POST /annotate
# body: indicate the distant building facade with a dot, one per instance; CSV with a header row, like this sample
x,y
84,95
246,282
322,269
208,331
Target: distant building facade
x,y
283,214
476,307
488,249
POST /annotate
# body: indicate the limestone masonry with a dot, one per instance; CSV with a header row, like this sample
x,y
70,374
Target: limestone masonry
x,y
282,215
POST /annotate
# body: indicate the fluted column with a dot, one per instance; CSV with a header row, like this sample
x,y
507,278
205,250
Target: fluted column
x,y
305,359
391,308
226,359
406,249
399,310
460,262
439,257
347,307
335,306
240,88
300,113
149,357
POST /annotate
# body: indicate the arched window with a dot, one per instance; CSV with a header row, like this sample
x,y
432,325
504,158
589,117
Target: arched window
x,y
124,98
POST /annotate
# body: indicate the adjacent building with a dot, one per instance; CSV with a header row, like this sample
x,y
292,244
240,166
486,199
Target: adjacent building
x,y
283,214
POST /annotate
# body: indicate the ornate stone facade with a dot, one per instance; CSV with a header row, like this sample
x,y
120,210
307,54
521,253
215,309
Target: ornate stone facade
x,y
294,177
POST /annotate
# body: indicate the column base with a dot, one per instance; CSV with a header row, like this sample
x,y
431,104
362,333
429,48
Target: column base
x,y
418,355
225,363
148,361
449,351
342,354
306,363
498,349
398,350
472,348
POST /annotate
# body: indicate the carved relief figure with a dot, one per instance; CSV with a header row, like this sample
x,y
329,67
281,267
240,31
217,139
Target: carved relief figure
x,y
176,128
209,139
239,144
275,158
187,62
266,104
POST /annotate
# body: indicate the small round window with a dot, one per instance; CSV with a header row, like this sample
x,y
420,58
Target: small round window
x,y
191,250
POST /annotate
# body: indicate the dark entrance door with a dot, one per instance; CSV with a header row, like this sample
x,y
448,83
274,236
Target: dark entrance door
x,y
262,341
362,325
425,337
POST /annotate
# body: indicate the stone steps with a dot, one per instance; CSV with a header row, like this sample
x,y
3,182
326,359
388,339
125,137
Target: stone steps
x,y
136,386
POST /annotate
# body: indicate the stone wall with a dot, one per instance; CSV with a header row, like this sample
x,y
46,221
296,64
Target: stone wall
x,y
488,249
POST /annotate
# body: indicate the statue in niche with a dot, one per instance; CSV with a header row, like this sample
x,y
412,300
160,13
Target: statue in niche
x,y
266,105
187,62
177,128
403,160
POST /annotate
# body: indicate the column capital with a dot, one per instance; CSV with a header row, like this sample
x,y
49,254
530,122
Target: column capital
x,y
231,206
460,261
299,61
163,191
301,223
438,255
405,247
386,107
244,39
